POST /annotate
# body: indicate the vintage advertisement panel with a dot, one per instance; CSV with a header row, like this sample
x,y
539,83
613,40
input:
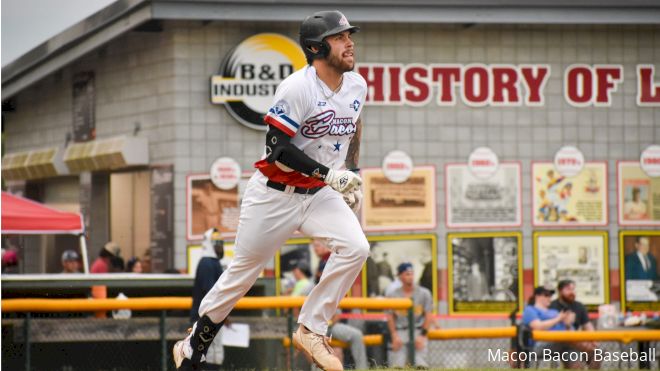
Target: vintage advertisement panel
x,y
639,252
485,272
208,206
399,206
473,201
577,255
638,196
559,201
379,273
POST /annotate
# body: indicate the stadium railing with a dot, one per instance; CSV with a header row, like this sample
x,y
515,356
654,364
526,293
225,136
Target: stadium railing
x,y
163,304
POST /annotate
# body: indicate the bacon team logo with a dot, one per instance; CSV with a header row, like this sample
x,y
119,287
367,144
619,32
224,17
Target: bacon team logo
x,y
251,72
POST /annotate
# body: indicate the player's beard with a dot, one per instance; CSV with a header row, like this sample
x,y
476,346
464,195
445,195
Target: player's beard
x,y
339,64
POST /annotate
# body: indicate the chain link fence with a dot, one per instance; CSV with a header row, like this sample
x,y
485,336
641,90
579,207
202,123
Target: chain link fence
x,y
72,343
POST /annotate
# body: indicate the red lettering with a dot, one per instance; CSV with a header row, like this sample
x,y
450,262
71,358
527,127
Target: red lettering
x,y
374,82
607,78
652,161
648,93
418,90
535,83
579,85
447,77
395,89
475,86
482,163
505,79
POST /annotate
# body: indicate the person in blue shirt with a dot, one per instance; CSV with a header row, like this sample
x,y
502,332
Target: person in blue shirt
x,y
538,315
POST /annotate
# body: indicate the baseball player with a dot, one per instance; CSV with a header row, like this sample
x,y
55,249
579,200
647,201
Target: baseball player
x,y
303,182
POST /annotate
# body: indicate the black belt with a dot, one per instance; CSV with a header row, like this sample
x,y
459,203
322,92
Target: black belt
x,y
282,187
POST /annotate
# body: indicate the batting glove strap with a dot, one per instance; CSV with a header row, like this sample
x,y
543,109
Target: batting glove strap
x,y
342,181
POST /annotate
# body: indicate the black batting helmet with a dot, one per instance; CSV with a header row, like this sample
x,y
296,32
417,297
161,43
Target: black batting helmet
x,y
317,27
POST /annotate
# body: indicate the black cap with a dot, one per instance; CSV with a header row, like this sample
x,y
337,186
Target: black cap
x,y
542,290
404,267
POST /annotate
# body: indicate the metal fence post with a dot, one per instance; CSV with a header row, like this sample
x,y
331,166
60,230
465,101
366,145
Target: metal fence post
x,y
411,334
26,328
163,340
289,327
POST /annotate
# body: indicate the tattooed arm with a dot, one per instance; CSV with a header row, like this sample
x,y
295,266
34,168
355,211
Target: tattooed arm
x,y
353,155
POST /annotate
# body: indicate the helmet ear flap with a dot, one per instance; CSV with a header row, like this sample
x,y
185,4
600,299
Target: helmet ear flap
x,y
323,50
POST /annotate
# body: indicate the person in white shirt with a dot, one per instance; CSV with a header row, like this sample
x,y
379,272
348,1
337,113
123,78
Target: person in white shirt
x,y
306,182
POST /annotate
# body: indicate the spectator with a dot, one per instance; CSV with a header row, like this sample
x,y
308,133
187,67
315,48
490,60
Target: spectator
x,y
566,301
104,263
134,265
70,262
398,320
117,264
641,264
323,253
208,271
9,261
303,285
539,316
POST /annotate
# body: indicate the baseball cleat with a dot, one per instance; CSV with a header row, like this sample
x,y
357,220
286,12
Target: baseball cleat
x,y
316,348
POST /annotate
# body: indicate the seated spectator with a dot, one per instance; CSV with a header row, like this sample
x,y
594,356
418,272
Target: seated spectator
x,y
304,284
134,265
104,262
70,262
539,316
398,320
566,301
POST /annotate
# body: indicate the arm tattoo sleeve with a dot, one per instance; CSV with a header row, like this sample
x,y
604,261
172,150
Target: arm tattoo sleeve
x,y
353,155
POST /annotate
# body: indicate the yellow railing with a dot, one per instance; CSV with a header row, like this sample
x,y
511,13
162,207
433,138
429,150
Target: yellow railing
x,y
472,333
623,336
182,303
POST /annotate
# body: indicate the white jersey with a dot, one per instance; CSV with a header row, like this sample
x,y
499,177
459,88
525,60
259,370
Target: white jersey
x,y
320,122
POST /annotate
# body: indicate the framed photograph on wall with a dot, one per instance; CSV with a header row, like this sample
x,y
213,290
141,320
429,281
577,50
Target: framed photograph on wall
x,y
389,206
208,206
638,195
387,252
559,201
484,272
639,252
472,202
581,256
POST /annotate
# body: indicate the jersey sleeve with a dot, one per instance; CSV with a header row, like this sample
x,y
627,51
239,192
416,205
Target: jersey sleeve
x,y
289,109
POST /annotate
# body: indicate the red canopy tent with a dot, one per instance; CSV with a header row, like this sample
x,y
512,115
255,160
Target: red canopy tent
x,y
23,216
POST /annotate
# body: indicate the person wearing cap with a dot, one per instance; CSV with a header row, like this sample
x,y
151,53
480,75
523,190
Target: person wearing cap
x,y
70,262
566,301
538,315
103,264
397,321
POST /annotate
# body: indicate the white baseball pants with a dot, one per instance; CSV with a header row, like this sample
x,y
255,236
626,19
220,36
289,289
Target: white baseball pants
x,y
268,218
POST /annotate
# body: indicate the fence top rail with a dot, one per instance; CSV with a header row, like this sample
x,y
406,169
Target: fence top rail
x,y
624,336
183,303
